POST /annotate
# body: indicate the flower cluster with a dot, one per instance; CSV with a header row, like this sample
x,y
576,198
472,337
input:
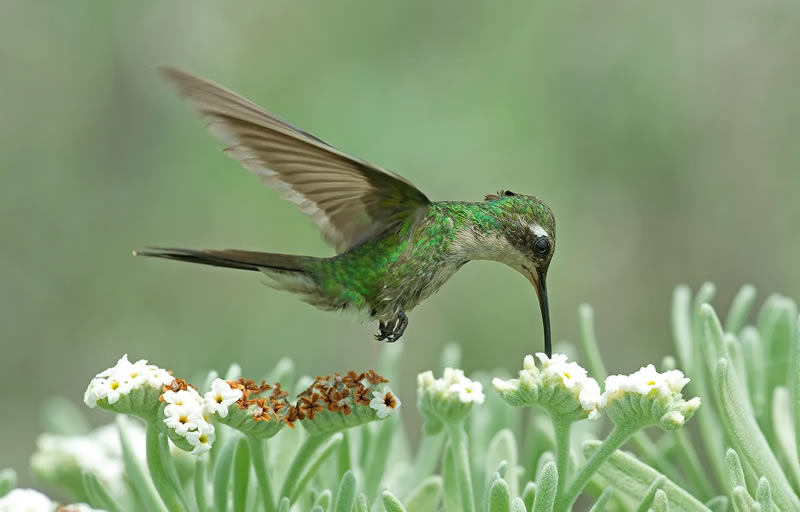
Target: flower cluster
x,y
126,387
644,397
62,458
30,500
187,418
244,405
448,399
561,387
650,396
341,401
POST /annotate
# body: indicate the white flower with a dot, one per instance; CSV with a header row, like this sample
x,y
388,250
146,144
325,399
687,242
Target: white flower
x,y
646,382
651,398
528,363
118,381
505,385
384,402
202,438
183,418
546,386
188,397
453,376
186,415
98,452
25,500
468,391
425,380
221,396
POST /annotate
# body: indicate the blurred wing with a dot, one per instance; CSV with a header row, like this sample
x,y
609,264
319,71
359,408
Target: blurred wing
x,y
349,199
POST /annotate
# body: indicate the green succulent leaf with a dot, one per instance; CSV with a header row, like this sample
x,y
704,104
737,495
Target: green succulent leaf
x,y
499,497
391,503
632,478
546,488
602,501
346,493
426,496
99,497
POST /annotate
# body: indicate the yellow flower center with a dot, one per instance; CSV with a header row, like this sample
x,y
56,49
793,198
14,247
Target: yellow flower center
x,y
183,419
203,439
651,383
219,399
114,385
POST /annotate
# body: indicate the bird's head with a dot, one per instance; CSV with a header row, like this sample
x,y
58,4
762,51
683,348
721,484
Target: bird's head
x,y
528,227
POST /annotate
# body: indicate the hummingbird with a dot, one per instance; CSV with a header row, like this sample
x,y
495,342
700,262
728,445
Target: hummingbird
x,y
394,246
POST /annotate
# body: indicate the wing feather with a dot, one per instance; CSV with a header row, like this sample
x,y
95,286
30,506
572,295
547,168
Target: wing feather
x,y
350,200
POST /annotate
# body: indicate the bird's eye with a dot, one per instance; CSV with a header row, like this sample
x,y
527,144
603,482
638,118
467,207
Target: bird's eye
x,y
541,246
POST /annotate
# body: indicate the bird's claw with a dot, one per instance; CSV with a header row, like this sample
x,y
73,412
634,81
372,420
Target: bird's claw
x,y
393,330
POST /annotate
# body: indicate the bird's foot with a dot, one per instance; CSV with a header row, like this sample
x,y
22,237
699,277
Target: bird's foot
x,y
386,330
397,330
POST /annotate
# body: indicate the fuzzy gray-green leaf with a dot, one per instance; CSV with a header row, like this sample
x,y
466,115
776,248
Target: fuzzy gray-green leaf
x,y
546,488
529,495
764,495
499,497
749,440
99,497
284,505
718,504
648,498
346,494
605,496
632,477
426,496
660,502
391,503
740,309
735,473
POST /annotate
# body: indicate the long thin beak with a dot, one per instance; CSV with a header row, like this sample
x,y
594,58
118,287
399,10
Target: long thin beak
x,y
541,290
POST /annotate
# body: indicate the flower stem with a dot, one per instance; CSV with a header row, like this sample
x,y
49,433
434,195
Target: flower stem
x,y
301,460
561,428
157,473
619,434
258,457
458,443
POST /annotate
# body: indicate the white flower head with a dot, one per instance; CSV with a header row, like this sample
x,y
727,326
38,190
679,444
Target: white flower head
x,y
119,381
425,380
384,402
201,438
560,386
187,419
221,396
25,500
469,391
447,399
98,452
649,397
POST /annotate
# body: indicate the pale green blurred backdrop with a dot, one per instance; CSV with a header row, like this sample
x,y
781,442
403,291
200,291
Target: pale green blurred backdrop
x,y
663,134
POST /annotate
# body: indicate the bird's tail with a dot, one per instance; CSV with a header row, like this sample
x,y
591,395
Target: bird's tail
x,y
231,258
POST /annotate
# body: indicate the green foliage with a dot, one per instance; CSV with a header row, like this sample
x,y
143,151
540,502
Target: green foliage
x,y
470,464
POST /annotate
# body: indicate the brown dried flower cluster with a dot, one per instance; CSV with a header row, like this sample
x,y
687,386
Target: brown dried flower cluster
x,y
176,385
275,406
331,392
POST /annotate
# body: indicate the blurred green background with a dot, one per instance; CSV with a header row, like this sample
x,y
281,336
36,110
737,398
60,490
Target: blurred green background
x,y
663,134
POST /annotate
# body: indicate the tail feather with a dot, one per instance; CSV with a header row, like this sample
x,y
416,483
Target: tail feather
x,y
231,258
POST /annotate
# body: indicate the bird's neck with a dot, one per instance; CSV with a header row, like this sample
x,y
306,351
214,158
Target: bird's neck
x,y
479,234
